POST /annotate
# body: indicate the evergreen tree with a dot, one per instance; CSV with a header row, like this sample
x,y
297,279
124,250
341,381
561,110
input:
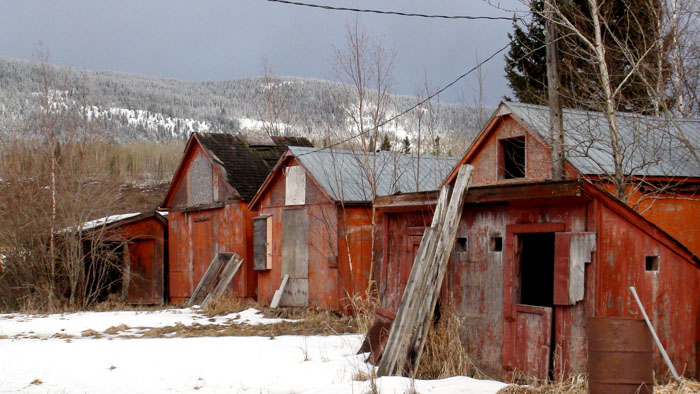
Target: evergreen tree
x,y
386,144
632,29
406,145
526,61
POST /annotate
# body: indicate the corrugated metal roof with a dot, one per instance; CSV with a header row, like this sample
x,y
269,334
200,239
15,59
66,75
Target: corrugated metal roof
x,y
652,146
345,176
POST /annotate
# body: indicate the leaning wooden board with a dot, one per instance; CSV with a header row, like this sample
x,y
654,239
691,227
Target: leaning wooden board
x,y
410,328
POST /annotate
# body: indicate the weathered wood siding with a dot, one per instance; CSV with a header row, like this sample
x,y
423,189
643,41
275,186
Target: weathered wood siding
x,y
197,236
332,279
483,285
670,295
147,240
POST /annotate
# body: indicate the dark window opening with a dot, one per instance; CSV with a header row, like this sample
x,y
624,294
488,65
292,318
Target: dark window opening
x,y
537,269
651,263
496,244
513,159
460,244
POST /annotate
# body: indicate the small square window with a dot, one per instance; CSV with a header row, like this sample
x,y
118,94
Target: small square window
x,y
651,263
512,158
461,244
496,244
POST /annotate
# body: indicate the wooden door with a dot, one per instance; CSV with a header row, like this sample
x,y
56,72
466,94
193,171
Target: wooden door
x,y
142,270
202,250
533,340
398,272
295,257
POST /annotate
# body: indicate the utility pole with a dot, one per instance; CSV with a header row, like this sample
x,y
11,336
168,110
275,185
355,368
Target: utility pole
x,y
556,124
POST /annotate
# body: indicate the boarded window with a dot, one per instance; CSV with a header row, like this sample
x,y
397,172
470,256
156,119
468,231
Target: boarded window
x,y
295,186
262,246
512,158
200,182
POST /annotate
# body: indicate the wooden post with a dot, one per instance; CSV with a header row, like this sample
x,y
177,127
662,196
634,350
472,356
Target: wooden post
x,y
556,132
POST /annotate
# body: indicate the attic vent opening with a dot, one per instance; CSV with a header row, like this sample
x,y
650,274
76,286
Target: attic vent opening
x,y
496,244
512,157
460,244
651,263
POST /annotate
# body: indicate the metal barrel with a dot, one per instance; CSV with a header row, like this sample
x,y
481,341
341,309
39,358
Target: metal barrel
x,y
620,356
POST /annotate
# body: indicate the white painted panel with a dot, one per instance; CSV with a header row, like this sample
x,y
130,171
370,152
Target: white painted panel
x,y
295,186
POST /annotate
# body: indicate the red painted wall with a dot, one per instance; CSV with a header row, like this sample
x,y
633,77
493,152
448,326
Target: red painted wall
x,y
332,278
197,236
147,247
482,286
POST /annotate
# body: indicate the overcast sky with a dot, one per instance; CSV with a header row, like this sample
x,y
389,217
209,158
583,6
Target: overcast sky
x,y
217,40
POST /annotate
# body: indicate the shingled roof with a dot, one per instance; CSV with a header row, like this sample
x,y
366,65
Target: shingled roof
x,y
246,165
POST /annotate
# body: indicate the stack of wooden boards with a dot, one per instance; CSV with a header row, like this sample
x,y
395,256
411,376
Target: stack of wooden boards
x,y
409,330
215,280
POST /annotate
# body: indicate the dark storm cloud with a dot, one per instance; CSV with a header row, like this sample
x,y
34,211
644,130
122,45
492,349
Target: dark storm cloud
x,y
214,40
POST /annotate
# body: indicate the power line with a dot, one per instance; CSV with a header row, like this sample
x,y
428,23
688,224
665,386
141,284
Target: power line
x,y
332,8
404,112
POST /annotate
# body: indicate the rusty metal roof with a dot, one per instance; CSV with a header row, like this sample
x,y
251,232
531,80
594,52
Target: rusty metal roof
x,y
653,146
346,176
246,165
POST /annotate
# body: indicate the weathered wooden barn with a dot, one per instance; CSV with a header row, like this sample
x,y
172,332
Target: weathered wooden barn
x,y
207,203
138,241
315,221
661,158
534,259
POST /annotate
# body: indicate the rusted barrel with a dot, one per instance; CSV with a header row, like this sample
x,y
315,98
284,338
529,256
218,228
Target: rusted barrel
x,y
620,356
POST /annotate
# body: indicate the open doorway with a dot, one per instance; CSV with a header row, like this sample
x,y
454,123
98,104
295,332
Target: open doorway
x,y
535,305
537,269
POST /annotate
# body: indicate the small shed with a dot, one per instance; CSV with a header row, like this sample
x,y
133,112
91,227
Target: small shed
x,y
534,259
316,222
207,203
139,243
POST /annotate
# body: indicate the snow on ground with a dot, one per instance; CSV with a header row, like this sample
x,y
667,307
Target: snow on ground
x,y
44,326
283,364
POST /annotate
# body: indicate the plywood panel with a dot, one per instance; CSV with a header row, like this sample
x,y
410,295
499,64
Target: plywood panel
x,y
260,243
200,180
295,248
295,186
296,293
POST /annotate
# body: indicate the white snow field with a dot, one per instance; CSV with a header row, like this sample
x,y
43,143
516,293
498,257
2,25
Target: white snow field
x,y
33,360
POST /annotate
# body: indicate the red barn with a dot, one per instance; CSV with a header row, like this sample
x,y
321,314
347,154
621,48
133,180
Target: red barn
x,y
315,221
207,203
534,259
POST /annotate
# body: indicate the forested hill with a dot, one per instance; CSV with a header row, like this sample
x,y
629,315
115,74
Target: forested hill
x,y
129,107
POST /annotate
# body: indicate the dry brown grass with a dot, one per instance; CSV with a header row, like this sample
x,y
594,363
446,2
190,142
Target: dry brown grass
x,y
363,308
116,329
578,384
228,304
686,386
319,324
444,355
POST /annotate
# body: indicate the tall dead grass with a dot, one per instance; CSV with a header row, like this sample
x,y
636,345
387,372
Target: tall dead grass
x,y
574,384
363,308
578,384
444,354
